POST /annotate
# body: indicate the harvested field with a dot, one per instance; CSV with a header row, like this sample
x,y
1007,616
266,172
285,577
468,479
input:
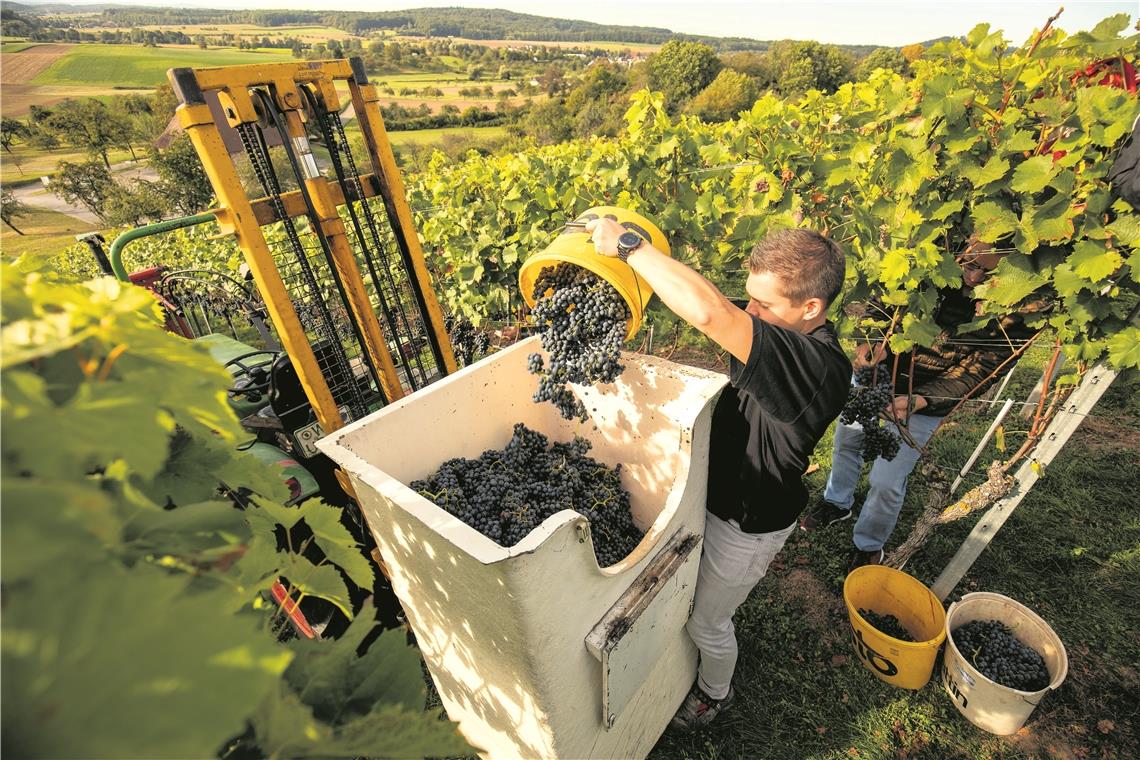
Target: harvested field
x,y
21,66
18,98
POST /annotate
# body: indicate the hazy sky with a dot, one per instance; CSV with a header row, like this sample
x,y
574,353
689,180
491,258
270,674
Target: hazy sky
x,y
896,22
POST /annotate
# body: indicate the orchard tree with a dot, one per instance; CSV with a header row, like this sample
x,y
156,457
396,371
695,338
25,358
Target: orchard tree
x,y
808,65
726,96
682,69
10,208
88,184
91,125
755,65
883,58
182,180
548,122
12,130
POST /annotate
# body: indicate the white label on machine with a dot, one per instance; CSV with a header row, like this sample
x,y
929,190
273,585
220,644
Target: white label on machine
x,y
308,162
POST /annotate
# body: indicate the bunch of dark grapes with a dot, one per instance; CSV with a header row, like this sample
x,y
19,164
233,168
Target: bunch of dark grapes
x,y
504,494
865,400
466,341
991,647
583,323
888,624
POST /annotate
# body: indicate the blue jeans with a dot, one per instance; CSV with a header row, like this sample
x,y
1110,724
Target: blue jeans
x,y
888,479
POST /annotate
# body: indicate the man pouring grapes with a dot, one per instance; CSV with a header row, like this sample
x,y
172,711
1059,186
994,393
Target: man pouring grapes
x,y
928,384
788,381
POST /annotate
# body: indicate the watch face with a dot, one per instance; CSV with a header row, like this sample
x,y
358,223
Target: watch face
x,y
629,240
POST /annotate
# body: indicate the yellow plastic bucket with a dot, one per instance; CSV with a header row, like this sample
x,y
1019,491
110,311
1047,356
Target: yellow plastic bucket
x,y
985,703
905,664
573,246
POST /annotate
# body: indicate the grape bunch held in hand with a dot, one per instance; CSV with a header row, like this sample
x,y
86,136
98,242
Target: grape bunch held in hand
x,y
504,494
865,400
583,323
991,647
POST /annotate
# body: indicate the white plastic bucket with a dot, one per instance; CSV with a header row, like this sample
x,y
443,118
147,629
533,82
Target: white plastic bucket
x,y
989,705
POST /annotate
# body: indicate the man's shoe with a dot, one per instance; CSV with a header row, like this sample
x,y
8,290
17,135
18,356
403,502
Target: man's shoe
x,y
821,515
699,709
860,558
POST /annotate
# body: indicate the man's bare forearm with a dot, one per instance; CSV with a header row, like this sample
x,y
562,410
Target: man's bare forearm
x,y
689,295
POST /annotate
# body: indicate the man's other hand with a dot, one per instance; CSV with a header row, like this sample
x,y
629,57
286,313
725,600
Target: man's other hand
x,y
865,357
897,409
605,233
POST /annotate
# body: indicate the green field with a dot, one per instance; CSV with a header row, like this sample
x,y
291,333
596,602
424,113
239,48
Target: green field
x,y
15,47
26,164
138,66
44,231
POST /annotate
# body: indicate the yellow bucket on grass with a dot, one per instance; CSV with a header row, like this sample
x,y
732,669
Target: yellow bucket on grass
x,y
573,246
887,591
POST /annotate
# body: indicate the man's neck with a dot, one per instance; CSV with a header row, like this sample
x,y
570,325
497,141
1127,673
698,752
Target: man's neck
x,y
811,326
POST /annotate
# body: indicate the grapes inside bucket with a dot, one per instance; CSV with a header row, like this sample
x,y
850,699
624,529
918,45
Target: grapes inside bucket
x,y
573,246
1001,660
897,624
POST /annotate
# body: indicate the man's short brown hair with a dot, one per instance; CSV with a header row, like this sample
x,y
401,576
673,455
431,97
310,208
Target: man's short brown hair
x,y
807,264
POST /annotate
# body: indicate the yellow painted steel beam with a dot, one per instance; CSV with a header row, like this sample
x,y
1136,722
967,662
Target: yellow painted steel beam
x,y
366,103
244,77
236,217
295,204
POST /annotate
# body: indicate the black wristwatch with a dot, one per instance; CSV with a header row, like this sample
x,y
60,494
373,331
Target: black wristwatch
x,y
627,243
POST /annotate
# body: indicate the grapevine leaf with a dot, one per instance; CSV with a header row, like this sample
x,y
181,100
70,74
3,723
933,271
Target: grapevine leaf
x,y
1033,174
1013,280
992,221
326,704
322,581
1126,229
336,542
1093,261
1067,282
79,682
1124,348
894,267
993,170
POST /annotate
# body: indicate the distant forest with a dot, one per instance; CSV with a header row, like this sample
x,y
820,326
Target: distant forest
x,y
472,23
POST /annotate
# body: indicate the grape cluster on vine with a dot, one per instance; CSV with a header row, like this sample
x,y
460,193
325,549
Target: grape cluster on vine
x,y
466,341
888,624
991,647
506,493
583,320
865,399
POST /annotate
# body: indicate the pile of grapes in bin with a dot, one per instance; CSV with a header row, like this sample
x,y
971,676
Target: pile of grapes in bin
x,y
506,493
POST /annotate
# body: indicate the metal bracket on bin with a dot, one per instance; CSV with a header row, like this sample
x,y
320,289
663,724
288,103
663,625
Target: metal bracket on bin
x,y
633,634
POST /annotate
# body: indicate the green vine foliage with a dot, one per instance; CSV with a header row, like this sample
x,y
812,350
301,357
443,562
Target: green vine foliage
x,y
1000,141
135,622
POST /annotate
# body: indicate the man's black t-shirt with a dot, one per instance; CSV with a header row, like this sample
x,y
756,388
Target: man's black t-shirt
x,y
769,420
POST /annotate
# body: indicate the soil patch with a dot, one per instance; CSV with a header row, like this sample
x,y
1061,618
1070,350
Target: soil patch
x,y
20,67
820,606
1100,434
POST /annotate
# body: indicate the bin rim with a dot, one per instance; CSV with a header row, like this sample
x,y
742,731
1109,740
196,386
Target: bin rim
x,y
905,645
1055,681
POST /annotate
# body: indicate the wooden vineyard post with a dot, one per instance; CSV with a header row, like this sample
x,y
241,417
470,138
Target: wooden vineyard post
x,y
1068,417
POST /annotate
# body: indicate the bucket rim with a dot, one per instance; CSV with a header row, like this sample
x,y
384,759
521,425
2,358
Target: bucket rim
x,y
1055,681
906,645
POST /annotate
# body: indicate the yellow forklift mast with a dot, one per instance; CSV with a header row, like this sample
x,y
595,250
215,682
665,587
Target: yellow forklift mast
x,y
337,260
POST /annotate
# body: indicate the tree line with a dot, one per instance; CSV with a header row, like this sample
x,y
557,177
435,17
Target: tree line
x,y
471,23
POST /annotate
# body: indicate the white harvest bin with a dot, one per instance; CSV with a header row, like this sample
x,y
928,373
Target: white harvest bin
x,y
535,650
